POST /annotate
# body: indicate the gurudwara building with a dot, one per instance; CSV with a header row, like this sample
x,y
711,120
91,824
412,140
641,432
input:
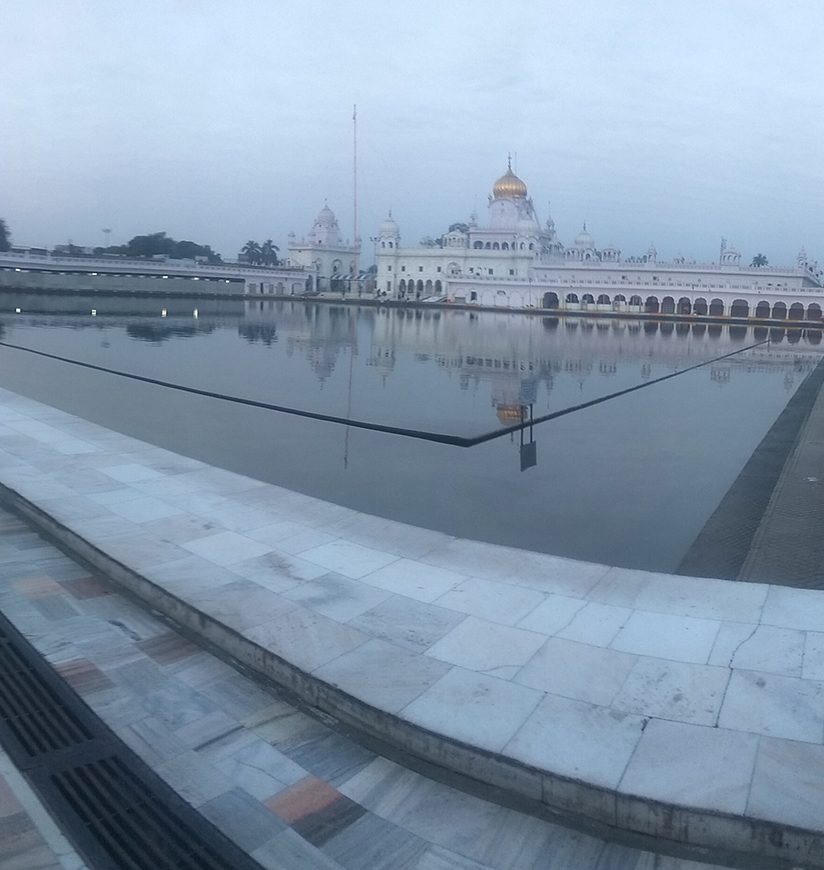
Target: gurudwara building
x,y
514,261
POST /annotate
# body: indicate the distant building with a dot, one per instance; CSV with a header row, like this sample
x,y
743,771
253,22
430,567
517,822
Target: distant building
x,y
514,261
323,254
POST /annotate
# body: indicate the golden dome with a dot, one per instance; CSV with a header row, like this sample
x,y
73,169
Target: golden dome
x,y
508,184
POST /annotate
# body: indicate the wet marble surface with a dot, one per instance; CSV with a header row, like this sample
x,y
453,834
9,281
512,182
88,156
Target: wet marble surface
x,y
512,633
279,781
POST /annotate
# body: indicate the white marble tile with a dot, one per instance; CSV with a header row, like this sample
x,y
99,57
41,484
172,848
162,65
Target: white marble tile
x,y
240,604
702,598
130,472
577,739
142,510
596,624
730,636
226,548
692,765
793,799
801,609
351,560
776,650
474,708
774,705
553,614
680,638
489,647
304,538
382,674
491,599
339,598
278,571
577,670
813,667
673,690
305,638
415,579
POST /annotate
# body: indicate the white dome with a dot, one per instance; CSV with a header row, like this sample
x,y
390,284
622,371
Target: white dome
x,y
584,239
326,217
389,227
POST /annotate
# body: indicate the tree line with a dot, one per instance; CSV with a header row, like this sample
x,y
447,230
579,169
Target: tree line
x,y
261,255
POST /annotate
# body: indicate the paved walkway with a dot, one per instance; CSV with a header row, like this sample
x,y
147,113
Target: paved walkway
x,y
679,708
789,541
284,785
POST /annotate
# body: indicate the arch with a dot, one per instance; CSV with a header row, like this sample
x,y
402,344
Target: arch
x,y
504,246
531,246
762,309
522,246
419,288
588,298
684,305
668,305
438,286
779,311
487,246
402,285
652,306
796,311
700,306
740,308
391,244
477,245
620,298
453,269
813,336
383,244
636,300
777,334
473,296
496,246
572,297
550,300
716,308
814,311
603,299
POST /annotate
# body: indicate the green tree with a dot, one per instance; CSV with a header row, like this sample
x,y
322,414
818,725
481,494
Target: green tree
x,y
269,253
459,227
759,260
252,250
5,236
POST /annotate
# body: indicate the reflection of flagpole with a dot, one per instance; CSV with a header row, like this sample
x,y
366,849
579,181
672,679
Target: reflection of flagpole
x,y
352,350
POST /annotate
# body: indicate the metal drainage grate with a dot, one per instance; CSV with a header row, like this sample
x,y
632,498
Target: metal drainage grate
x,y
118,813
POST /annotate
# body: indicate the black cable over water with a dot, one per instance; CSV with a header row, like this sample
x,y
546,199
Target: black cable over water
x,y
438,437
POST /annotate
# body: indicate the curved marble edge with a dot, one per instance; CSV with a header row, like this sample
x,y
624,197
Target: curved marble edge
x,y
667,707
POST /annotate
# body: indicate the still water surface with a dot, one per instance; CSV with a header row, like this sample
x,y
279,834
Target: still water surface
x,y
630,481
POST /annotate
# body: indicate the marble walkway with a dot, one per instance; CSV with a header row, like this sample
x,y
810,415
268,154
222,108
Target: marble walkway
x,y
279,781
685,709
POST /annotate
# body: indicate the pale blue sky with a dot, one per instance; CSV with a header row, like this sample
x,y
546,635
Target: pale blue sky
x,y
671,122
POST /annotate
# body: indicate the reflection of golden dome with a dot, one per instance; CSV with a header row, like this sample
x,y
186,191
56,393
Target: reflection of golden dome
x,y
508,184
509,414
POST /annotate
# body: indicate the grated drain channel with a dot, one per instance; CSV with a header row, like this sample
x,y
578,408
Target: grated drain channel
x,y
118,813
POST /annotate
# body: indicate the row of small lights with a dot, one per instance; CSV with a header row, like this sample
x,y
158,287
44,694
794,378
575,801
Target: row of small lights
x,y
94,312
110,275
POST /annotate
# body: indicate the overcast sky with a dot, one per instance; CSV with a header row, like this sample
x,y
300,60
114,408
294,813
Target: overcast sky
x,y
668,121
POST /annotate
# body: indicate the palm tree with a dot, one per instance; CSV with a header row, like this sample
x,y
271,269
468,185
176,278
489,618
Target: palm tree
x,y
269,253
759,260
252,251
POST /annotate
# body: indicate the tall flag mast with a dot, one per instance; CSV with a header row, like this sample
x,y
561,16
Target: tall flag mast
x,y
356,265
